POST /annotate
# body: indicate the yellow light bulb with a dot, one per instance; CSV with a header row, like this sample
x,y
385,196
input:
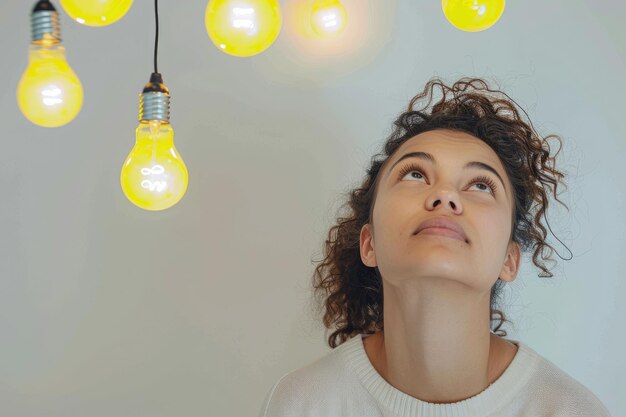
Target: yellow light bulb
x,y
472,15
49,93
329,17
96,12
154,176
243,27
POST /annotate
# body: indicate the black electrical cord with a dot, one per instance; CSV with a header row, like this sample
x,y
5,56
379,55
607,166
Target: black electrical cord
x,y
156,38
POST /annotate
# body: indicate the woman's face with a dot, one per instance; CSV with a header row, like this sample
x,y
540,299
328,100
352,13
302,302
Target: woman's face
x,y
406,197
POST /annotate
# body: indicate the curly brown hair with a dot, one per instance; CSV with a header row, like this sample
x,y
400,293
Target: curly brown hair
x,y
348,291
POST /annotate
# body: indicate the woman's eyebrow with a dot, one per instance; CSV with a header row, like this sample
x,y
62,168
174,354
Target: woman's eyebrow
x,y
428,157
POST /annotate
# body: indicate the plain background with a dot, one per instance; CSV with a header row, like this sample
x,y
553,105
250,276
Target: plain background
x,y
107,309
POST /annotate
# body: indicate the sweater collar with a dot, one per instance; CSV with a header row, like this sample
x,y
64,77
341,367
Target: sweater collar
x,y
400,404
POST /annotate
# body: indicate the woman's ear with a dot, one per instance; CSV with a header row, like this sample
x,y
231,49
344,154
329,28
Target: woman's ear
x,y
366,242
511,263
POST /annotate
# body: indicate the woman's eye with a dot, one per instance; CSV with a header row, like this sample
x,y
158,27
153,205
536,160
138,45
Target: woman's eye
x,y
412,169
415,171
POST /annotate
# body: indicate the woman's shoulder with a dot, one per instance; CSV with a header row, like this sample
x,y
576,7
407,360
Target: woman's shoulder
x,y
320,383
324,369
557,387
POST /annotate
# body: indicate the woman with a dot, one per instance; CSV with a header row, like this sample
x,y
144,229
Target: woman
x,y
411,275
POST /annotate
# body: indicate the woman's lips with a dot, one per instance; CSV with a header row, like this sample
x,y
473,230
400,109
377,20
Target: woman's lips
x,y
441,231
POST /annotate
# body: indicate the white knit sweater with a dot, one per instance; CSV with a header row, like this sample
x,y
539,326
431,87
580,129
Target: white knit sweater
x,y
344,383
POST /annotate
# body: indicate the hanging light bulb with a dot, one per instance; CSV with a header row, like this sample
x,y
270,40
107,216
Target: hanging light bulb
x,y
154,175
49,93
328,18
472,15
243,27
96,12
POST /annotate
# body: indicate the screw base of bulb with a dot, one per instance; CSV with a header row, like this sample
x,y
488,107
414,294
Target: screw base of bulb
x,y
45,21
155,100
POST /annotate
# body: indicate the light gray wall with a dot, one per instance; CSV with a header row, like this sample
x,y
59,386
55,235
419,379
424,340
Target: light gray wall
x,y
107,309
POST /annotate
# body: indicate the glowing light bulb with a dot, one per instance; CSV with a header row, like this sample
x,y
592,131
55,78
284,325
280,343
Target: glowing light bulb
x,y
243,27
472,15
329,17
96,12
154,175
49,93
